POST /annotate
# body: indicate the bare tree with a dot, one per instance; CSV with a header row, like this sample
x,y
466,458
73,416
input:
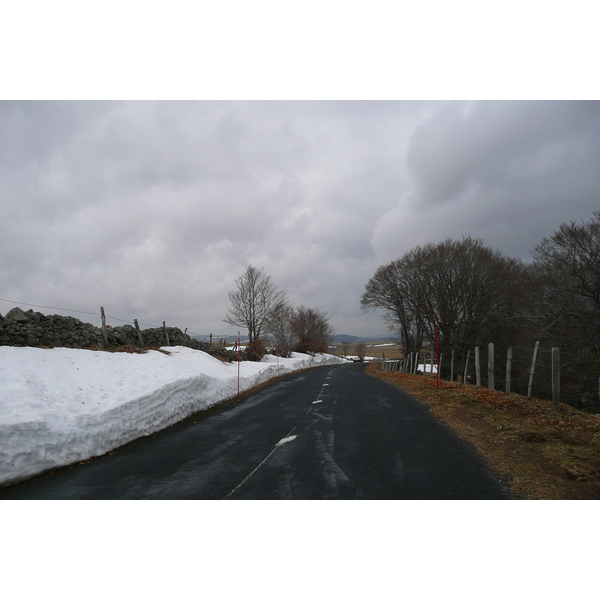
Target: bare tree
x,y
466,286
253,301
280,328
361,351
345,347
570,259
564,303
471,290
312,329
394,289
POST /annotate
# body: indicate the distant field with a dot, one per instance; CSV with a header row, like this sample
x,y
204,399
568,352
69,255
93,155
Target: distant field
x,y
374,349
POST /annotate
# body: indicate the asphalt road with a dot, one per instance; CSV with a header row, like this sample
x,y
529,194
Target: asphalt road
x,y
328,433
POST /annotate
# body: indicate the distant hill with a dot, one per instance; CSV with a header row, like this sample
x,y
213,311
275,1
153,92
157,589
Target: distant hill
x,y
342,337
233,338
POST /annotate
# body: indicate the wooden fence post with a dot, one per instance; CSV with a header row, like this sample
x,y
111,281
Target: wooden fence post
x,y
491,382
466,366
137,328
166,334
416,367
104,334
555,378
532,370
509,353
477,367
431,362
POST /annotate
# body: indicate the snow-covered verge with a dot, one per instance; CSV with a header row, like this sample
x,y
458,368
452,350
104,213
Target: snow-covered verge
x,y
60,406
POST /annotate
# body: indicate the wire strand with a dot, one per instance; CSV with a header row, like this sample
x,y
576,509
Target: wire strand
x,y
83,312
52,307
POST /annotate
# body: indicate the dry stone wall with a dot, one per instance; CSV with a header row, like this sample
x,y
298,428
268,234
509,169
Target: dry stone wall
x,y
29,328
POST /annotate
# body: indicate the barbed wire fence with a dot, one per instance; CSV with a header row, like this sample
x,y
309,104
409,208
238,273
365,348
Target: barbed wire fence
x,y
537,373
100,315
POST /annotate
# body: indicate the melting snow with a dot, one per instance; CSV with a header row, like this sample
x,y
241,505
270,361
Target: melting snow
x,y
60,406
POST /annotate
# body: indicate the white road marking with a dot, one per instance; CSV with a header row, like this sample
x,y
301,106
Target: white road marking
x,y
318,400
287,438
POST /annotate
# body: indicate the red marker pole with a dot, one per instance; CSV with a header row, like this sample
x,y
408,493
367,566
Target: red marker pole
x,y
239,359
437,353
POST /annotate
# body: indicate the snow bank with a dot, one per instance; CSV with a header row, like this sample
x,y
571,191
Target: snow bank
x,y
60,406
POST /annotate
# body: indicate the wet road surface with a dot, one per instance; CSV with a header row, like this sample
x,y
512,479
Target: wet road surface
x,y
328,433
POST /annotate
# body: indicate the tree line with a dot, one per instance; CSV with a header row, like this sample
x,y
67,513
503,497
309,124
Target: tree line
x,y
258,306
478,295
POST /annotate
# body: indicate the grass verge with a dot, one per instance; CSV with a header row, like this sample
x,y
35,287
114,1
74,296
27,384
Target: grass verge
x,y
544,454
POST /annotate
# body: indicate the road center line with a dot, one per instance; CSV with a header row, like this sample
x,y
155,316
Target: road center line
x,y
279,443
318,400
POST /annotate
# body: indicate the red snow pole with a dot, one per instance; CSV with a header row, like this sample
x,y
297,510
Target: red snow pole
x,y
239,359
437,353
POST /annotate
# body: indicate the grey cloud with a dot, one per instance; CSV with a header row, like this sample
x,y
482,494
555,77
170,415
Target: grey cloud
x,y
152,209
498,143
509,172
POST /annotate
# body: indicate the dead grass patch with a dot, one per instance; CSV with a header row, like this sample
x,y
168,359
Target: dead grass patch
x,y
543,453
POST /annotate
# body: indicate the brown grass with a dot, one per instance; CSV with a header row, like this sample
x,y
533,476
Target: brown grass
x,y
542,452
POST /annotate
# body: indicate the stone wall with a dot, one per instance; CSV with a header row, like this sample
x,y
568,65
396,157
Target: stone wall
x,y
29,328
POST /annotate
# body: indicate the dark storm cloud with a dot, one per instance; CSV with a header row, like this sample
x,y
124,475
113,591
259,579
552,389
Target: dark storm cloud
x,y
509,172
154,208
500,143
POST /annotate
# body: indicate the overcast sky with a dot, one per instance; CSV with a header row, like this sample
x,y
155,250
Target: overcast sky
x,y
153,209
